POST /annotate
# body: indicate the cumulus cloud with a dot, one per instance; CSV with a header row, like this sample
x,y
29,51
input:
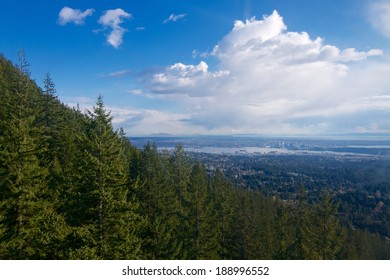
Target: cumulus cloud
x,y
112,19
380,16
270,80
137,121
144,121
185,79
75,16
174,18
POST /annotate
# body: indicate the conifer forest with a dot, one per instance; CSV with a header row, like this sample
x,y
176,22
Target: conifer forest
x,y
73,187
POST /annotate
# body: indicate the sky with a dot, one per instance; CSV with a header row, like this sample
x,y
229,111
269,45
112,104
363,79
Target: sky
x,y
219,67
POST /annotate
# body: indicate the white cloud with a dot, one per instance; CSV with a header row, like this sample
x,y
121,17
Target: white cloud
x,y
75,16
269,80
185,79
136,91
113,19
379,15
144,122
174,18
81,102
116,74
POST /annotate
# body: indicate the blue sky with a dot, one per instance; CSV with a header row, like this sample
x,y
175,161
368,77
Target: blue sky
x,y
213,67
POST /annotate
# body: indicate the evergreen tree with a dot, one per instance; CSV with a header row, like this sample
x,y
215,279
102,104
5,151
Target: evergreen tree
x,y
167,225
159,206
150,195
328,233
302,247
180,179
54,123
32,227
150,171
222,197
266,237
202,232
284,232
181,167
244,226
107,222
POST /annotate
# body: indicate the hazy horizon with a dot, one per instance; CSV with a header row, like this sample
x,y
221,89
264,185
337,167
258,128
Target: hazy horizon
x,y
348,136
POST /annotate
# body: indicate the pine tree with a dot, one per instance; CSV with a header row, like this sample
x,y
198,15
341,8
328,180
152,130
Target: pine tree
x,y
265,213
328,233
181,170
244,224
150,172
181,173
203,243
167,224
302,248
107,222
32,227
54,129
149,194
222,197
159,206
284,232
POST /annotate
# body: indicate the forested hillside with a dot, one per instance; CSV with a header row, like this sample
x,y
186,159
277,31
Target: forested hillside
x,y
72,187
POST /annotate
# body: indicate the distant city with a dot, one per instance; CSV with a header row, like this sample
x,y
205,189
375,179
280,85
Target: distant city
x,y
256,145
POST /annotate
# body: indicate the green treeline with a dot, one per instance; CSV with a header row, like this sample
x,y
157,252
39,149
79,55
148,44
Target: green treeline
x,y
72,187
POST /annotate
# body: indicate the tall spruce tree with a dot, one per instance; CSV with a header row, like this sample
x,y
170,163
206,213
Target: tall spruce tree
x,y
107,221
243,226
181,169
284,228
222,197
329,236
265,213
203,243
32,227
302,247
158,206
169,244
54,126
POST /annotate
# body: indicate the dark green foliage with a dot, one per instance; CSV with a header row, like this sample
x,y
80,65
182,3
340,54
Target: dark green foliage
x,y
71,187
285,232
31,226
223,201
105,209
202,234
301,248
157,206
328,234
